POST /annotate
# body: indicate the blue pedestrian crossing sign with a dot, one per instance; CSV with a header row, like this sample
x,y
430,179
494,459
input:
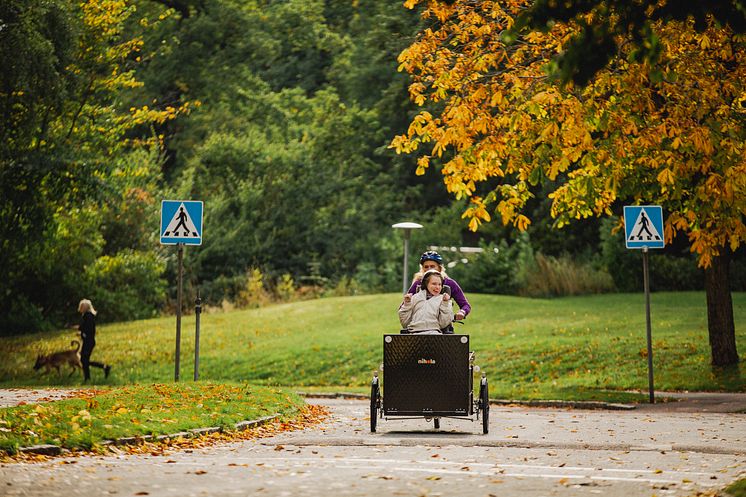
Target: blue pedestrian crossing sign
x,y
643,226
181,222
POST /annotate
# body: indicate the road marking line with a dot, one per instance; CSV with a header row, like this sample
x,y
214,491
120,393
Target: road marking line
x,y
354,463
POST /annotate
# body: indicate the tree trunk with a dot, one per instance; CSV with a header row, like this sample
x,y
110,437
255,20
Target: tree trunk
x,y
720,312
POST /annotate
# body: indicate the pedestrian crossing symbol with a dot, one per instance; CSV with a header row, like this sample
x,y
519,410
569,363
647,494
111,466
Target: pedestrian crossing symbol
x,y
181,222
643,226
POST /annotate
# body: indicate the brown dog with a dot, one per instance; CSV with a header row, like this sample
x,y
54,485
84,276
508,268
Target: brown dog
x,y
58,359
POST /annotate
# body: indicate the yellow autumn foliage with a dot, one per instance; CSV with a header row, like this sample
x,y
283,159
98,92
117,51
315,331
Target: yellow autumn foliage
x,y
675,139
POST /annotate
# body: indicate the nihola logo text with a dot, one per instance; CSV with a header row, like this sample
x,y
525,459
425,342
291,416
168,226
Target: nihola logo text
x,y
426,361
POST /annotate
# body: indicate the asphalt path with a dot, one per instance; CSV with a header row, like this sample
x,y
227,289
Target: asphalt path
x,y
537,452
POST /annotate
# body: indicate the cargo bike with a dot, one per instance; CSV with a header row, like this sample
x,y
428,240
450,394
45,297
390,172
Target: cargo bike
x,y
428,376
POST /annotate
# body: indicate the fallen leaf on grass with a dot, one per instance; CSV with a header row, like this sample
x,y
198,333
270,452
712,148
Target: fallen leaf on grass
x,y
308,416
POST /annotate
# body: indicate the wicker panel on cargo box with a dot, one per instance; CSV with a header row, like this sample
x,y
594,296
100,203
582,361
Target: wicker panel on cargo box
x,y
426,374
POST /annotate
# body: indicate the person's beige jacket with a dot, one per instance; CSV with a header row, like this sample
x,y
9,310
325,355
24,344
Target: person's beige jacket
x,y
423,314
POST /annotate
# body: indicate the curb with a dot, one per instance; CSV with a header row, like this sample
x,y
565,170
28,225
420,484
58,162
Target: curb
x,y
333,395
574,404
475,440
54,450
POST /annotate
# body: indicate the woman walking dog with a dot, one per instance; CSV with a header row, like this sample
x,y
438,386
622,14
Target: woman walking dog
x,y
88,334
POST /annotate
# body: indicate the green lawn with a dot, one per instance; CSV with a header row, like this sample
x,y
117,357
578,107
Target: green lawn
x,y
136,410
590,347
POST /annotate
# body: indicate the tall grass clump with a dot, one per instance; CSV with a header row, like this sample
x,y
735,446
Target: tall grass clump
x,y
562,276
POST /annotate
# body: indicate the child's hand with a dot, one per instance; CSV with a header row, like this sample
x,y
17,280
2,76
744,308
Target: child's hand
x,y
446,297
407,298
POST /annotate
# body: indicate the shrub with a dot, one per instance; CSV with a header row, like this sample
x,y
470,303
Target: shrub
x,y
22,316
497,269
253,294
222,289
126,286
285,288
344,287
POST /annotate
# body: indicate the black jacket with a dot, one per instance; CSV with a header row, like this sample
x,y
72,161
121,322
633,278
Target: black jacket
x,y
88,328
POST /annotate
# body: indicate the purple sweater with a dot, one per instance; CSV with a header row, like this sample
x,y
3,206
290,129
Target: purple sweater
x,y
456,293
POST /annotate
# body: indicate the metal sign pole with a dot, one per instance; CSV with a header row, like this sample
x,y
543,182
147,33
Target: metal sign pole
x,y
181,224
407,227
646,283
644,229
197,312
178,311
406,261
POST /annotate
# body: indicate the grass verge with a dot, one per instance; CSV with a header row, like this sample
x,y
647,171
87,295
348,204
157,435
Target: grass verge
x,y
737,488
157,409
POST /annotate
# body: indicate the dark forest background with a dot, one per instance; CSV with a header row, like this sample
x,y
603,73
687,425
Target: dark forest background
x,y
276,114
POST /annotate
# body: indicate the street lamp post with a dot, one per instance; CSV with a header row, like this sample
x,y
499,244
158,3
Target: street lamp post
x,y
407,229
